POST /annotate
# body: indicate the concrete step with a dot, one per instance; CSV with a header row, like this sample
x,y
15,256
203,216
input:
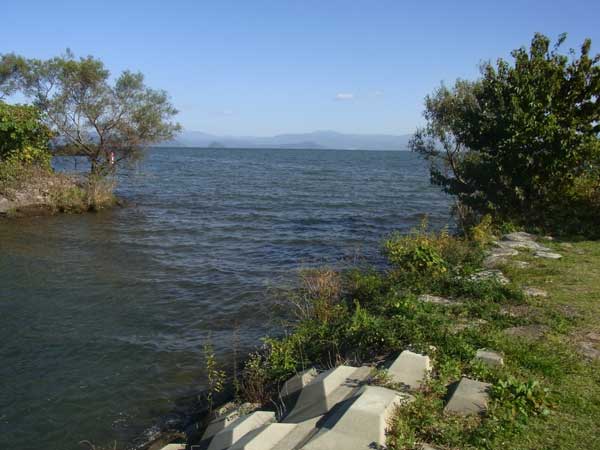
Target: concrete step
x,y
470,397
325,391
227,417
264,438
240,427
410,369
360,422
298,382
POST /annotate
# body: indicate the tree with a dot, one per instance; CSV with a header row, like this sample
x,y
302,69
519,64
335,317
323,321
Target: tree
x,y
519,142
88,112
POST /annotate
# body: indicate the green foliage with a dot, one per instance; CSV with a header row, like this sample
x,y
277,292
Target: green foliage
x,y
518,401
520,143
420,251
214,375
87,111
23,136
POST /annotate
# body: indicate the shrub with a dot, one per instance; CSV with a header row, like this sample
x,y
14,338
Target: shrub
x,y
420,251
518,401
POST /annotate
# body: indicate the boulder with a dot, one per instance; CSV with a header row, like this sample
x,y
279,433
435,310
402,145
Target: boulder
x,y
547,254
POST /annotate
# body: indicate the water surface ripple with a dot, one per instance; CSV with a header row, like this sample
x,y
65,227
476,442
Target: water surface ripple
x,y
102,316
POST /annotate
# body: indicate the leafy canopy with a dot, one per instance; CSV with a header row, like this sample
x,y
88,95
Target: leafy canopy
x,y
88,112
520,142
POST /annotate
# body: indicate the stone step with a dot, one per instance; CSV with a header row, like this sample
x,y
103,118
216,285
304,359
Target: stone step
x,y
240,427
325,391
264,438
470,397
297,382
410,369
360,422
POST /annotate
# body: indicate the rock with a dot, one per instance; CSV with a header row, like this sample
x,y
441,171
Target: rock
x,y
264,438
326,390
519,311
5,205
174,447
240,427
522,245
225,416
424,446
410,370
519,236
503,251
589,350
426,298
520,264
463,324
490,274
547,254
528,331
535,292
566,245
489,357
361,423
491,262
469,398
297,382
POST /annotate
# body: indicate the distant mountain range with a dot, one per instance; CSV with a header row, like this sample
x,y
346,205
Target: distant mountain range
x,y
314,140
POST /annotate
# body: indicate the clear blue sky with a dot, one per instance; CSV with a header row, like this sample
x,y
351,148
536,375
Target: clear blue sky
x,y
258,67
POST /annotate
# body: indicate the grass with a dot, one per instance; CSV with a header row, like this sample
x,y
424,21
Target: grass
x,y
547,396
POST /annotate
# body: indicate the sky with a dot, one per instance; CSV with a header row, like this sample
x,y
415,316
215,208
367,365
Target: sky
x,y
254,67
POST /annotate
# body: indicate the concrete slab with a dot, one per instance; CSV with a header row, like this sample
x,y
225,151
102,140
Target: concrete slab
x,y
301,433
489,357
326,390
297,382
490,274
410,369
241,426
360,423
469,398
264,438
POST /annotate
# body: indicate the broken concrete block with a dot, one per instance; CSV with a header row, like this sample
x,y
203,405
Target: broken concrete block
x,y
241,426
326,390
490,274
297,382
527,331
489,357
410,369
264,438
360,423
470,397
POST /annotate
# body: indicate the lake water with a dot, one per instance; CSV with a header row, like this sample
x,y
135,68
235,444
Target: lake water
x,y
103,316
